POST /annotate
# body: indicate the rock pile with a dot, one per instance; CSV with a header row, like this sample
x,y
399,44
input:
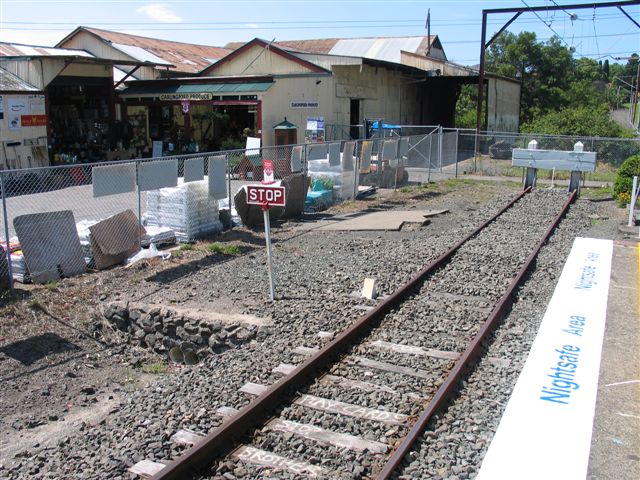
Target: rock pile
x,y
184,339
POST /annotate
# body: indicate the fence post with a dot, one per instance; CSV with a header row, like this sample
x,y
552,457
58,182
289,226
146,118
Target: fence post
x,y
440,138
6,230
356,160
634,198
226,157
430,150
456,150
305,166
139,204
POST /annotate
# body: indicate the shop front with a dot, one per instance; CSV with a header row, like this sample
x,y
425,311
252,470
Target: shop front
x,y
187,118
81,127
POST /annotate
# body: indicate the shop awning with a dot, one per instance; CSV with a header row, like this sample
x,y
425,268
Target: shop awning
x,y
175,92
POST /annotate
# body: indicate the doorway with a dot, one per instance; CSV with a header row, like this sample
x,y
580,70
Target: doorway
x,y
354,119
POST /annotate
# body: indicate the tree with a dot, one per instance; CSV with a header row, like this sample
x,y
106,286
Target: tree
x,y
560,94
584,120
631,68
543,68
605,69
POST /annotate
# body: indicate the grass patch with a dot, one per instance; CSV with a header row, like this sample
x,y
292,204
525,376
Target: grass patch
x,y
185,247
51,285
215,248
597,193
224,249
155,368
605,172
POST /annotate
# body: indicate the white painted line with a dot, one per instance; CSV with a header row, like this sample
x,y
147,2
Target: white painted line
x,y
268,459
334,406
390,367
306,350
622,383
321,435
357,384
253,388
628,415
325,334
545,431
186,437
146,468
284,369
412,350
226,411
351,410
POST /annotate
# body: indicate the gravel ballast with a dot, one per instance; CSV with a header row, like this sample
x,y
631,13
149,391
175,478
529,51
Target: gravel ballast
x,y
319,276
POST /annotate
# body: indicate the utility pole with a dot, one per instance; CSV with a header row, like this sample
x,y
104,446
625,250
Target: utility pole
x,y
519,11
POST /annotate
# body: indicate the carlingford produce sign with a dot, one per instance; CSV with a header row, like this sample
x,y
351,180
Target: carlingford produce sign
x,y
185,96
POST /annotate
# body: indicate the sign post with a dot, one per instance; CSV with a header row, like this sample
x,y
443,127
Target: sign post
x,y
267,196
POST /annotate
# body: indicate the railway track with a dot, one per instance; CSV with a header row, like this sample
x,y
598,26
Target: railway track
x,y
354,407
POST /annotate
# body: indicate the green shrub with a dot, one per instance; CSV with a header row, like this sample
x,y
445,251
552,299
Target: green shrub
x,y
215,248
224,249
624,179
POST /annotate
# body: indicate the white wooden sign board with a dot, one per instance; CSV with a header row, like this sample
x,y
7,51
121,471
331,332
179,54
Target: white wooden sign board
x,y
550,159
545,431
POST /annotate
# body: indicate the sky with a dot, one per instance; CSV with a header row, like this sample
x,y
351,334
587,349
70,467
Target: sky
x,y
596,33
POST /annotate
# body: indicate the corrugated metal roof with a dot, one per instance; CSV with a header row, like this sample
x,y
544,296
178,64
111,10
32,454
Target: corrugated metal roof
x,y
185,57
377,48
9,82
139,53
386,49
18,50
219,88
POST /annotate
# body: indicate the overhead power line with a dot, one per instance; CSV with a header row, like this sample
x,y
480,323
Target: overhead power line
x,y
441,23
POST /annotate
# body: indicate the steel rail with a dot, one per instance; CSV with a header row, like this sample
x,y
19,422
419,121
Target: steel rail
x,y
470,355
221,440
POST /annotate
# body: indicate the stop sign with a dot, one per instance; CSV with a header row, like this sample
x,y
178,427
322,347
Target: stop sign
x,y
265,195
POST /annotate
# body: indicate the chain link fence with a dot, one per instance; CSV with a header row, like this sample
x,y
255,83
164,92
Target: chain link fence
x,y
495,150
59,221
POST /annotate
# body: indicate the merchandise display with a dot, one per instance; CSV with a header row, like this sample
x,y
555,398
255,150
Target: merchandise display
x,y
333,177
186,209
18,265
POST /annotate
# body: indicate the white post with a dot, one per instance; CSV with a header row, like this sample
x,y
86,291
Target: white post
x,y
267,236
634,198
531,173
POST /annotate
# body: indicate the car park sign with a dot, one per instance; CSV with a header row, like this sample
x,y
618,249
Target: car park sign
x,y
265,195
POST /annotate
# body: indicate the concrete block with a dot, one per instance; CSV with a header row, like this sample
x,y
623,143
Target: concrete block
x,y
369,289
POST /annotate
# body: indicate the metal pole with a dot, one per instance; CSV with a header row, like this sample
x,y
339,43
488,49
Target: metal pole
x,y
475,154
356,159
456,150
440,139
430,147
634,198
139,204
226,155
267,236
483,38
6,230
395,175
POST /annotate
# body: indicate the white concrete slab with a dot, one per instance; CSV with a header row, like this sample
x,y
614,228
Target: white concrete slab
x,y
387,220
545,431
